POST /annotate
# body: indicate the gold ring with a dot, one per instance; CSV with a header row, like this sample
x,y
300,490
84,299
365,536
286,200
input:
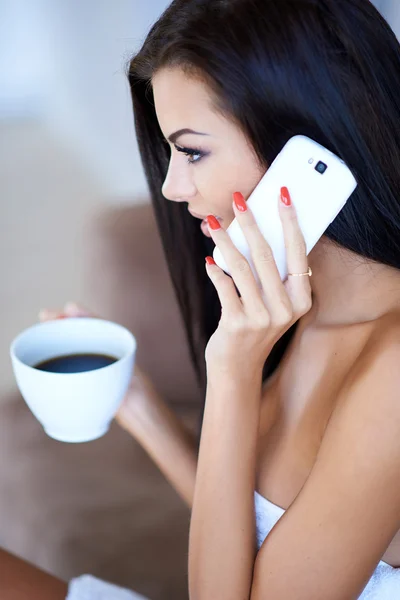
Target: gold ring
x,y
309,273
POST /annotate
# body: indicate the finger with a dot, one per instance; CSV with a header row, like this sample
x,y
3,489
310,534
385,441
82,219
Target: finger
x,y
263,258
239,267
298,288
50,315
73,309
231,304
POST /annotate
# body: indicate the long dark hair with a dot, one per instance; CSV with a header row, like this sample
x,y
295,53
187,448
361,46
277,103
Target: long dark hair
x,y
328,69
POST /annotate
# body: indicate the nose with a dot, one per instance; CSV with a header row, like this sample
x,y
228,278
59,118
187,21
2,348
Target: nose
x,y
178,185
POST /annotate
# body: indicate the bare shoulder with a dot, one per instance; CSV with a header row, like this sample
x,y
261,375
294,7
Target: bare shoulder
x,y
380,355
375,375
368,404
387,349
347,513
387,330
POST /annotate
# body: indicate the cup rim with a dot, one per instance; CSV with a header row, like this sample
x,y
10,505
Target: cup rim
x,y
30,329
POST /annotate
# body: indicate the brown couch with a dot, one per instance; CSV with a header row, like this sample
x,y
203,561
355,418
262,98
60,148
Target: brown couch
x,y
103,507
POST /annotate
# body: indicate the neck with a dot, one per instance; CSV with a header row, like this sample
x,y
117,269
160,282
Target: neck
x,y
349,289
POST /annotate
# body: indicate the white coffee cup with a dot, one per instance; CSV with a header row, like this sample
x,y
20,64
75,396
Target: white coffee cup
x,y
74,407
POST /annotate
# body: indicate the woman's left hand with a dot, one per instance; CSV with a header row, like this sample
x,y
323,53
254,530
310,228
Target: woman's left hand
x,y
250,325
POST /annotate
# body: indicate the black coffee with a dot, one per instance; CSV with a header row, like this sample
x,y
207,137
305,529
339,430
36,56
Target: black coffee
x,y
76,363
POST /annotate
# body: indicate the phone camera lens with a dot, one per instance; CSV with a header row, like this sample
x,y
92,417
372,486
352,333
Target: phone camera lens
x,y
321,167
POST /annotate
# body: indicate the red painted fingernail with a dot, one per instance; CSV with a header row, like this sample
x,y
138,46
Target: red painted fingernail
x,y
240,201
210,260
285,196
213,222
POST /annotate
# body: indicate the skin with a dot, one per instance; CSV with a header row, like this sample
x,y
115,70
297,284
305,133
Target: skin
x,y
20,580
346,288
354,301
208,183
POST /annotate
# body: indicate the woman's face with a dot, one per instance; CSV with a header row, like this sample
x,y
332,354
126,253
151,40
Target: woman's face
x,y
204,170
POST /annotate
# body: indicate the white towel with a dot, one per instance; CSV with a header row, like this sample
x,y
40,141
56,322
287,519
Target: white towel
x,y
88,587
383,585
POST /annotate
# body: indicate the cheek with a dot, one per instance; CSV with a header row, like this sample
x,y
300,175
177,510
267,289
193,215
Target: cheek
x,y
212,174
218,180
215,187
219,176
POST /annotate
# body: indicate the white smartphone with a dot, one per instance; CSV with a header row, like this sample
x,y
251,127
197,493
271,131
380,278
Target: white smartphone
x,y
319,183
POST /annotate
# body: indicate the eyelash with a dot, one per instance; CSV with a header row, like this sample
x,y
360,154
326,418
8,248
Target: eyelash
x,y
191,152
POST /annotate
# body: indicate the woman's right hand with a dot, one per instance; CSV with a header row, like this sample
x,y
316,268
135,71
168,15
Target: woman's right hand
x,y
141,396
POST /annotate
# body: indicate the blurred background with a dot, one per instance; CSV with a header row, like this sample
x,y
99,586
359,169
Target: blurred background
x,y
77,224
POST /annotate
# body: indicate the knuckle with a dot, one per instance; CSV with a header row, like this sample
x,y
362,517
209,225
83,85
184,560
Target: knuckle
x,y
298,246
263,322
304,304
282,320
265,255
261,319
242,265
284,314
237,326
251,226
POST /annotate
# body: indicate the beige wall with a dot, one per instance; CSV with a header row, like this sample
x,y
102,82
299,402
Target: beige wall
x,y
67,148
46,197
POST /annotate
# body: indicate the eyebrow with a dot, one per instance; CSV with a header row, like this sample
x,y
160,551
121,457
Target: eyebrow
x,y
174,136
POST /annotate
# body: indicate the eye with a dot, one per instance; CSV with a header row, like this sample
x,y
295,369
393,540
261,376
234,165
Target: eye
x,y
191,153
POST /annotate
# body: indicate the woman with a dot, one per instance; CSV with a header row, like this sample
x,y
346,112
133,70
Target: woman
x,y
297,491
